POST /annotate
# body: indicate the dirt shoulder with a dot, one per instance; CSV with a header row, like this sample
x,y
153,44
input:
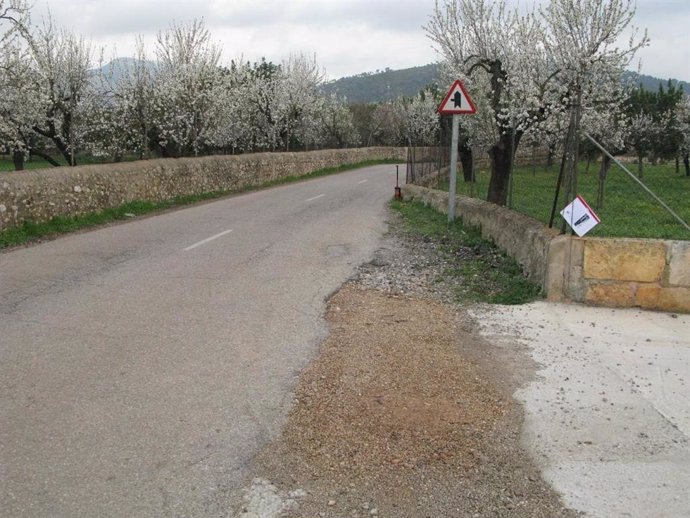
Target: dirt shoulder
x,y
406,411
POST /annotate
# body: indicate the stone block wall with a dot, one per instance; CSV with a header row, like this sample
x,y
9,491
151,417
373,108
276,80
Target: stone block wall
x,y
39,195
646,273
612,272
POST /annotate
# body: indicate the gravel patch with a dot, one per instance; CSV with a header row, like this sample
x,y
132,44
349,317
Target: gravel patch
x,y
406,411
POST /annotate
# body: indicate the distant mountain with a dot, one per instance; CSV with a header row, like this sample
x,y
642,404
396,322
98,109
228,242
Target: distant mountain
x,y
387,84
652,83
383,85
390,84
118,67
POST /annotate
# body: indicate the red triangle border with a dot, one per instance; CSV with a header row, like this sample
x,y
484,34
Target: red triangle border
x,y
473,107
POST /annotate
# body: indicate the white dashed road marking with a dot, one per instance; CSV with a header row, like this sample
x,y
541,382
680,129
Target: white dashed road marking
x,y
203,242
316,197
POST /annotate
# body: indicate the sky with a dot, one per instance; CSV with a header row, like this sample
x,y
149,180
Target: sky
x,y
348,37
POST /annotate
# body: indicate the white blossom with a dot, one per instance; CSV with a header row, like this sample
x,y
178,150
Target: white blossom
x,y
526,71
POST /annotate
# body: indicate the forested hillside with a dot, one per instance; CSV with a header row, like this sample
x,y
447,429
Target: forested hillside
x,y
390,84
651,83
383,85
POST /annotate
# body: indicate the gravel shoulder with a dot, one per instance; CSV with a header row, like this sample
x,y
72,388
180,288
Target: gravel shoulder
x,y
406,411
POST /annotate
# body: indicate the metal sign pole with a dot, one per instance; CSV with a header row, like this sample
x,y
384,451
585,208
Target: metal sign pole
x,y
453,168
457,101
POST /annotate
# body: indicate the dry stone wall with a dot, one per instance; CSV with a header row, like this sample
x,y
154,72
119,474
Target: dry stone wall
x,y
39,195
612,272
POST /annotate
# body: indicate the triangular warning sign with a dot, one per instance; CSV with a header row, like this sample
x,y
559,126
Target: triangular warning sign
x,y
457,101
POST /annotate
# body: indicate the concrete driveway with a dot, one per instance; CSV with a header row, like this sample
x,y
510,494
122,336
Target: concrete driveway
x,y
608,414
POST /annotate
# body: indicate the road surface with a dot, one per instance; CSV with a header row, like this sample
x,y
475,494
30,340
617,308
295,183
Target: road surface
x,y
143,364
608,415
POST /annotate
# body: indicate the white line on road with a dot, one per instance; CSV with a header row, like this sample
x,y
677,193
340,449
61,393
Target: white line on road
x,y
203,242
316,197
363,181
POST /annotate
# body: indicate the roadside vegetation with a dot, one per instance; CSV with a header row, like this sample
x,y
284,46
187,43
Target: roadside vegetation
x,y
7,164
478,269
30,231
627,211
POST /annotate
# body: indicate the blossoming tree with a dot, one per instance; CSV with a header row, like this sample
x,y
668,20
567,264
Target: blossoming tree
x,y
522,68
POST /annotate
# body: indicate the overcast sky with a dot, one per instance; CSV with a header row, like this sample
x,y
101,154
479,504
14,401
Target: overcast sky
x,y
347,36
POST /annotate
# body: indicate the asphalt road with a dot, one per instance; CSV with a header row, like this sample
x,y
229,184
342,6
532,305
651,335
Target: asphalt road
x,y
143,364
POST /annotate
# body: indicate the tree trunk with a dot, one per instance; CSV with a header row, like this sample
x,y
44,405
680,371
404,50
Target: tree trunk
x,y
549,156
686,162
501,154
18,159
677,164
467,161
52,134
603,173
640,167
46,157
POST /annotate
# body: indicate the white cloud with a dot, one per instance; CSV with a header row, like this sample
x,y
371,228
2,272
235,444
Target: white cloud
x,y
668,54
348,36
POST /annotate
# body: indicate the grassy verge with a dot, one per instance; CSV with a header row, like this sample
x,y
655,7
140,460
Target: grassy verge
x,y
628,211
30,231
7,165
480,271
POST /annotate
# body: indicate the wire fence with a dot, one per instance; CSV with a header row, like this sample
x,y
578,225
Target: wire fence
x,y
654,206
425,163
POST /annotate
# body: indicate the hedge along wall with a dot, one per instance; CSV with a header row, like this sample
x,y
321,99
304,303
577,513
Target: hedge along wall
x,y
42,194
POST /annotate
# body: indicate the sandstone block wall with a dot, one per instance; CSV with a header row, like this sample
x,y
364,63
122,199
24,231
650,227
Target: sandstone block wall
x,y
646,273
39,195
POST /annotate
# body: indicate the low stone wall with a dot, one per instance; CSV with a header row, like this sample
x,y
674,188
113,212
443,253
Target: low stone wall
x,y
39,195
526,156
615,272
646,273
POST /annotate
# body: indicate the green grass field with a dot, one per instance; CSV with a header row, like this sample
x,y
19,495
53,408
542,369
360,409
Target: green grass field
x,y
6,164
628,211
